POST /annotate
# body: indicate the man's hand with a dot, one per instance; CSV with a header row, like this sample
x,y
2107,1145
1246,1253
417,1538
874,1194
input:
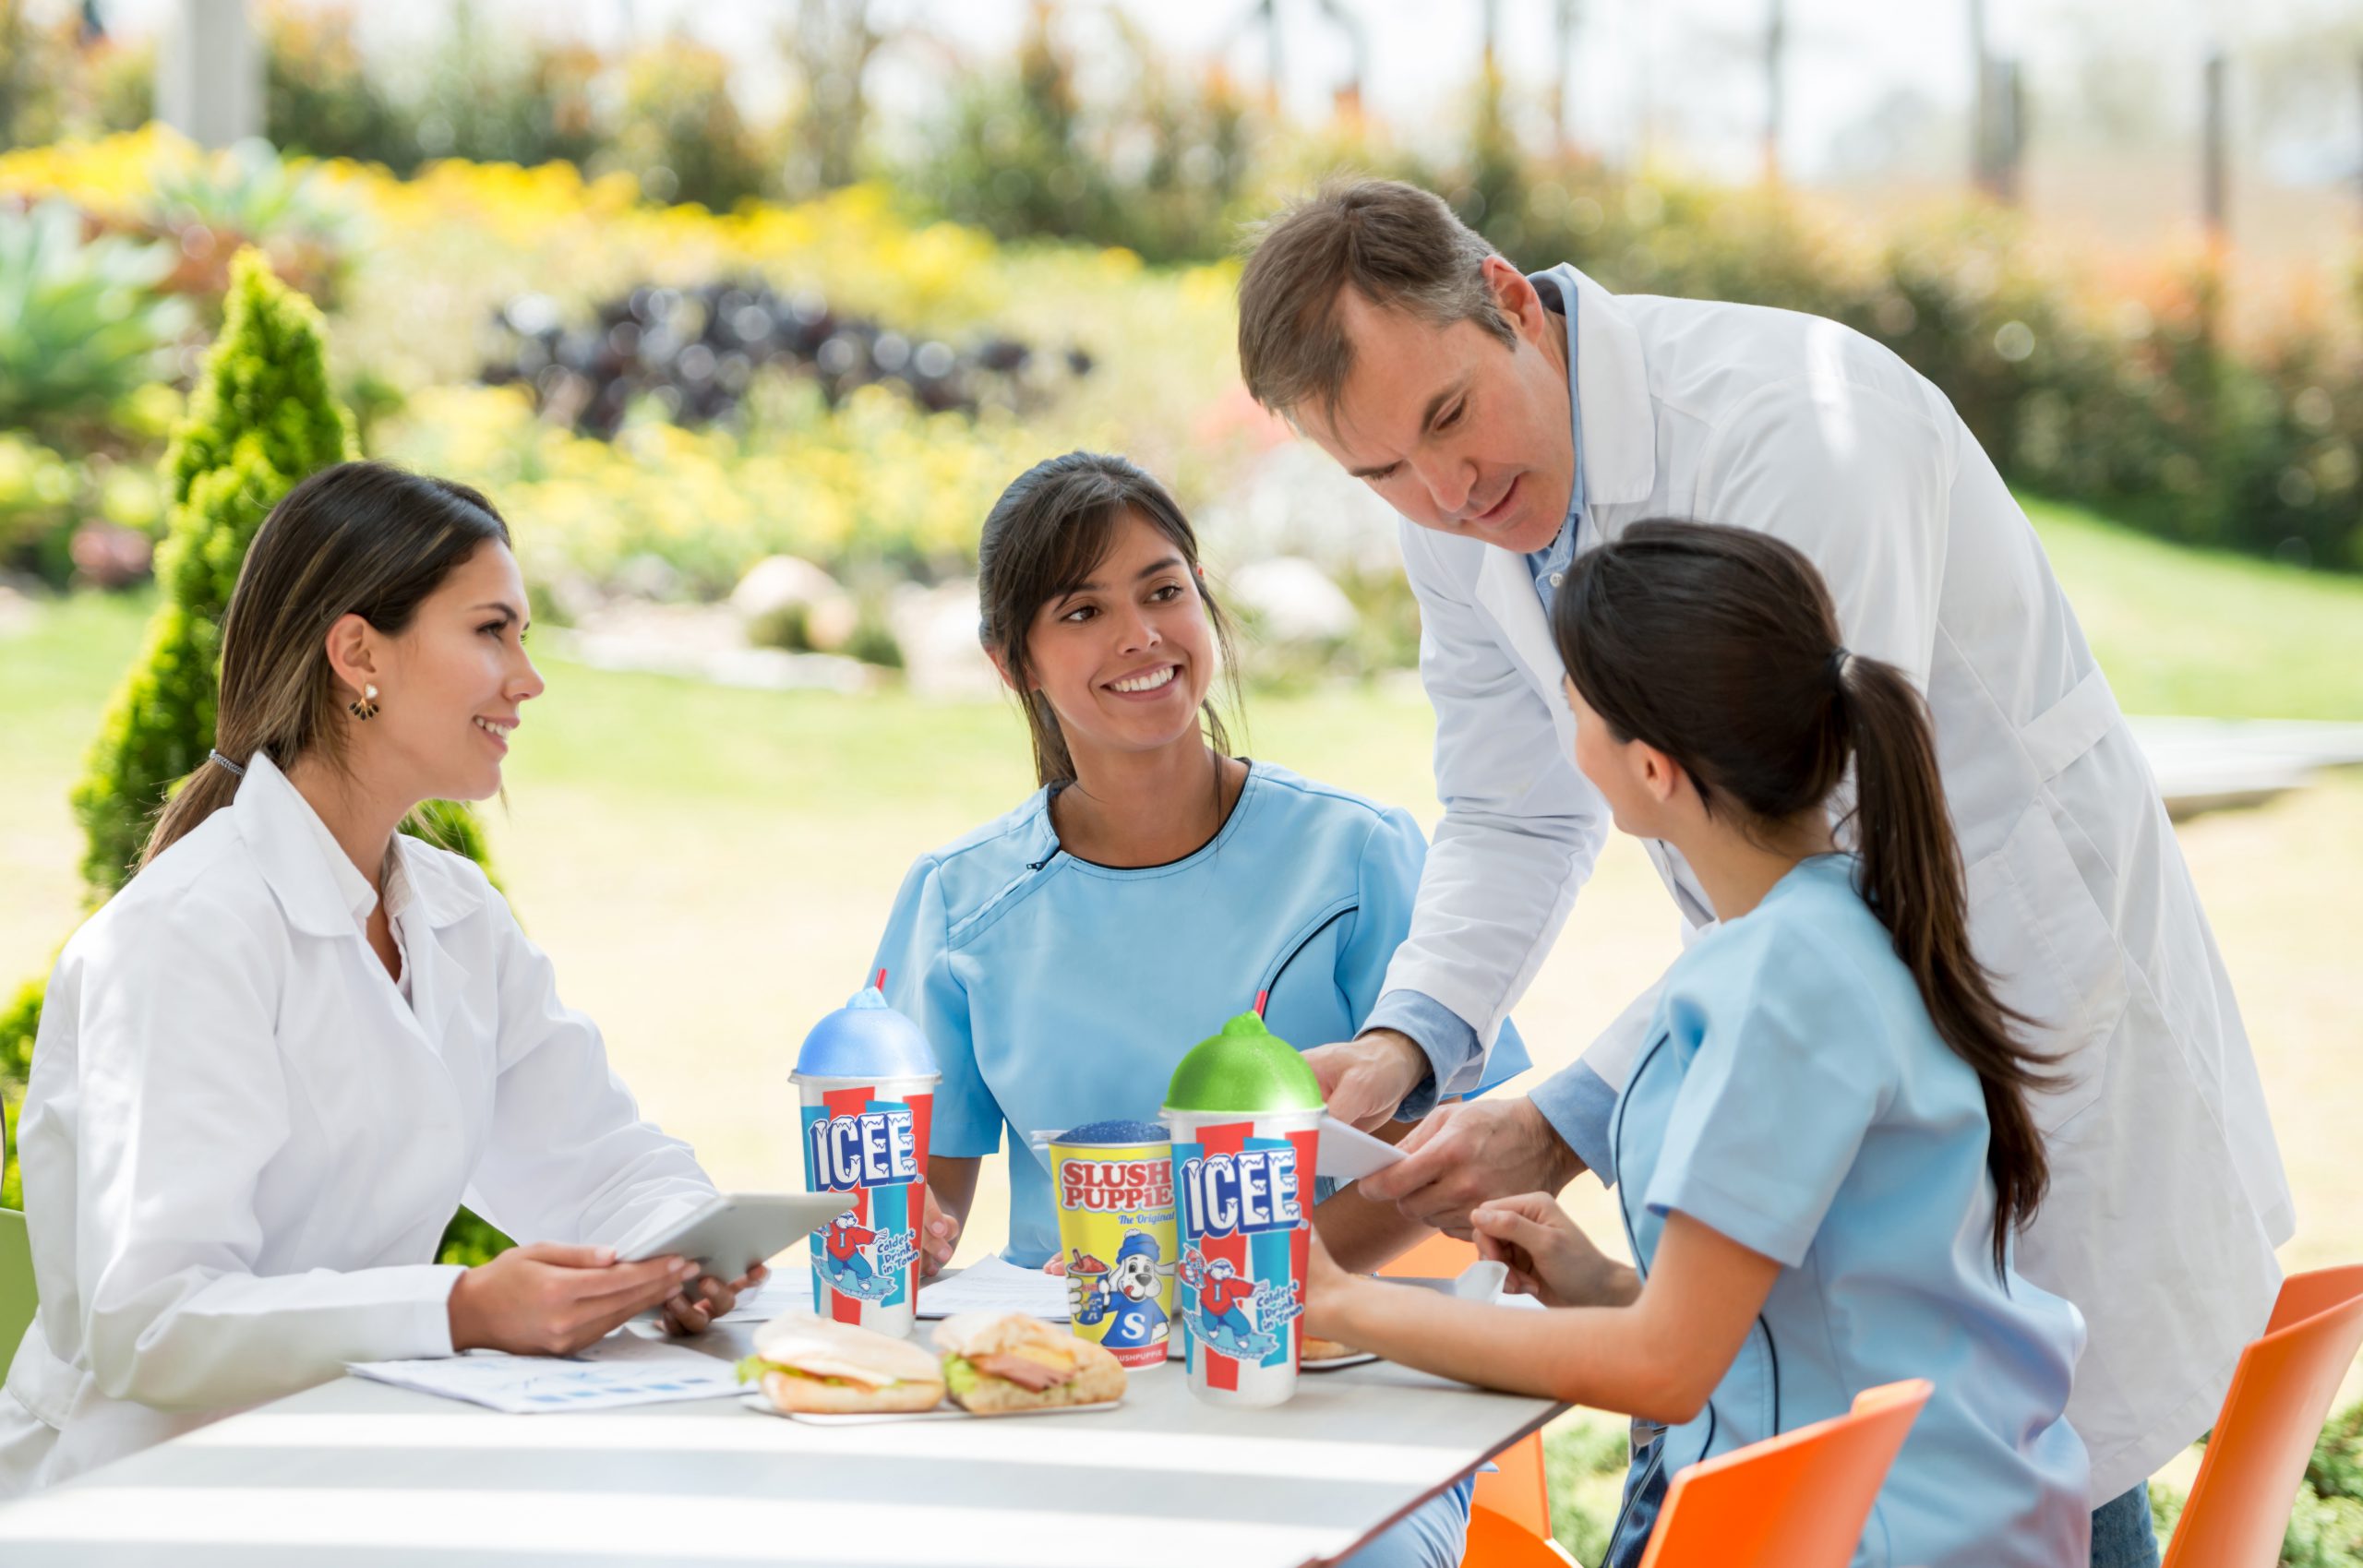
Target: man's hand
x,y
1462,1154
1365,1079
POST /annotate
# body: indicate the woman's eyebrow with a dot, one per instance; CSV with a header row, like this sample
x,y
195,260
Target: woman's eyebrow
x,y
1149,570
504,608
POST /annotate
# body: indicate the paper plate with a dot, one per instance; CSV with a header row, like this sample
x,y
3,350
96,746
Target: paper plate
x,y
944,1412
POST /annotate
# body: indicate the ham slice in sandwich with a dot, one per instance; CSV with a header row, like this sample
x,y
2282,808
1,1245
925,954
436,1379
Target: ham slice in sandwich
x,y
995,1363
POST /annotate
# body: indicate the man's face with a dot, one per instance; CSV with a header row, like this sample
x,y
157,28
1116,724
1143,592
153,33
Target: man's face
x,y
1454,430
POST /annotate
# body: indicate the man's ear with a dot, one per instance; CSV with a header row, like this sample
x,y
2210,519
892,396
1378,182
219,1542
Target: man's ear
x,y
352,651
1516,297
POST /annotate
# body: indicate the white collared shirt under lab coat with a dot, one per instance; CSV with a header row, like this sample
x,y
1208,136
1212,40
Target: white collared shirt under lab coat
x,y
2167,1195
241,1144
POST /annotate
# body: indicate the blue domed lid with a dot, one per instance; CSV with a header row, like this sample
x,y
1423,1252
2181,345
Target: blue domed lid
x,y
865,1038
1116,1132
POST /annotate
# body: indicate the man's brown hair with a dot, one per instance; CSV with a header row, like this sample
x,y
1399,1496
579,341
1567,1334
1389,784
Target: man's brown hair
x,y
1395,244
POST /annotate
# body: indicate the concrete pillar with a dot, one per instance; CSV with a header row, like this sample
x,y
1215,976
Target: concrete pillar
x,y
208,72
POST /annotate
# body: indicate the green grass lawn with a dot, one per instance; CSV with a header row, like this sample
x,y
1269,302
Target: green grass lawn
x,y
2203,632
710,867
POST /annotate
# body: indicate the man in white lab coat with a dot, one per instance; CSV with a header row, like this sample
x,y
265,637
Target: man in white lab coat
x,y
1513,421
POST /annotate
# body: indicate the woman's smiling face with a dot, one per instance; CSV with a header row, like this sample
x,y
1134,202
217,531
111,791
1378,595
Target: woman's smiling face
x,y
450,685
1126,657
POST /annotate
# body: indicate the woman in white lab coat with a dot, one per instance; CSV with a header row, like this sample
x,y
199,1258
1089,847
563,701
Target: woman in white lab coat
x,y
270,1070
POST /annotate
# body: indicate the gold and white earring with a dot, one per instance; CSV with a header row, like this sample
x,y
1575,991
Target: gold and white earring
x,y
366,705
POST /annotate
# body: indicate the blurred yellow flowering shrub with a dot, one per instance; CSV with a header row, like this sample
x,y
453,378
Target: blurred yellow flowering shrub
x,y
874,479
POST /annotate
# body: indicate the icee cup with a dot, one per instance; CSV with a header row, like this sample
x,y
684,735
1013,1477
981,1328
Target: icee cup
x,y
869,1082
1114,1185
1245,1113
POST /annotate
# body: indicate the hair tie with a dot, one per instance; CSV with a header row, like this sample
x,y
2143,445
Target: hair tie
x,y
1838,658
235,771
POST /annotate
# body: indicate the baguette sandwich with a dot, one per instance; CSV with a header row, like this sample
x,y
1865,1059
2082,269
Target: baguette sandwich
x,y
997,1363
814,1364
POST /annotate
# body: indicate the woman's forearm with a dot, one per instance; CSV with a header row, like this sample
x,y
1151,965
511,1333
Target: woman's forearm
x,y
1596,1356
1660,1356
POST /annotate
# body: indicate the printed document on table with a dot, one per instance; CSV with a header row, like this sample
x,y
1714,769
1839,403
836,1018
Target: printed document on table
x,y
788,1293
995,1286
620,1370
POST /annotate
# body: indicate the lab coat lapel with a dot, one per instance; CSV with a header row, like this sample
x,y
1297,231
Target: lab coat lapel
x,y
437,971
1505,588
272,816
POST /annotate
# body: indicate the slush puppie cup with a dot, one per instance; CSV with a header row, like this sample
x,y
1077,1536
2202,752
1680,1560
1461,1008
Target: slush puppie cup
x,y
869,1082
1114,1185
1245,1112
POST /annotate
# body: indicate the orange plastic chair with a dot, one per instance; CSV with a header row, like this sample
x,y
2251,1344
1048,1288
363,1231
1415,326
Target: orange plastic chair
x,y
1495,1540
2281,1390
1509,1515
1795,1500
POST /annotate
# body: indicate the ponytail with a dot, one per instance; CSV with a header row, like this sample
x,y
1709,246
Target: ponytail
x,y
1719,647
205,792
1913,880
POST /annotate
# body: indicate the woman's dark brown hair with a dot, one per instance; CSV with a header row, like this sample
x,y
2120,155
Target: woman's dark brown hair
x,y
1045,536
356,538
1719,647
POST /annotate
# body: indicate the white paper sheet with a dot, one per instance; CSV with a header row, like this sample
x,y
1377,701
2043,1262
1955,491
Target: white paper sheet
x,y
787,1293
1348,1154
995,1286
620,1370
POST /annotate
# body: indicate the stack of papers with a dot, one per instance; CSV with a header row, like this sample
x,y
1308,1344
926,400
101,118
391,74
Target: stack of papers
x,y
620,1370
996,1286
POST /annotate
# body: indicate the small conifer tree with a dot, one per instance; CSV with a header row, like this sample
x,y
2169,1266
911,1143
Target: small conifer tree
x,y
262,419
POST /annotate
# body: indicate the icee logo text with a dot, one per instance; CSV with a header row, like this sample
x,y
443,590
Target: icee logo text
x,y
873,1149
1252,1191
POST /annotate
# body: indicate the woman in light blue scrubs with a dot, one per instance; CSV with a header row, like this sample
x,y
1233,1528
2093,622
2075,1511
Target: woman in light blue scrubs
x,y
1825,1149
1064,958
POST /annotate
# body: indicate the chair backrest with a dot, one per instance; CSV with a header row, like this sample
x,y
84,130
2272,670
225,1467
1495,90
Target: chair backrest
x,y
1495,1540
1795,1500
2281,1390
16,1297
1517,1489
1438,1257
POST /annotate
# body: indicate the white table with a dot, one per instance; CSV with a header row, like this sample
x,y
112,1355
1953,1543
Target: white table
x,y
359,1472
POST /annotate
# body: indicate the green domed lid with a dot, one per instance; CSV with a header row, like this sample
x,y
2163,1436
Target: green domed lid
x,y
1245,1067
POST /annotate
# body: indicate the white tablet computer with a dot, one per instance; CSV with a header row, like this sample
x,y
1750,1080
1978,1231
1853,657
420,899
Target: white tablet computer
x,y
737,1231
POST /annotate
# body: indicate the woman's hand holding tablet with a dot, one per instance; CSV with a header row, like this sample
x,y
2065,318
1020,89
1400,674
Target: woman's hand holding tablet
x,y
552,1300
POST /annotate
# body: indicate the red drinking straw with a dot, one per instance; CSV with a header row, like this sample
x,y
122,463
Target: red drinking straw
x,y
1261,997
880,981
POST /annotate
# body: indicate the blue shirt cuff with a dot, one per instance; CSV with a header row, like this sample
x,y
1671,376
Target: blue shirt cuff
x,y
1442,1035
1578,1103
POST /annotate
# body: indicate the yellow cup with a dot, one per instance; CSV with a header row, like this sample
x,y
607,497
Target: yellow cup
x,y
1115,1198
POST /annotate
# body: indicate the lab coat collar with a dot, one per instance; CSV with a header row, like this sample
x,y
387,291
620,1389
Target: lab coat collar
x,y
321,891
1620,461
1612,398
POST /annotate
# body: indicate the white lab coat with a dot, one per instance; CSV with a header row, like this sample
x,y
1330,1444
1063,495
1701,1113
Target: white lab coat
x,y
2167,1195
241,1145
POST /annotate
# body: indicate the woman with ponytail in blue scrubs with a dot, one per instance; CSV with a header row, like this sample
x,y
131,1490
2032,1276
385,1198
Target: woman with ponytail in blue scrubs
x,y
1064,958
1827,1150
